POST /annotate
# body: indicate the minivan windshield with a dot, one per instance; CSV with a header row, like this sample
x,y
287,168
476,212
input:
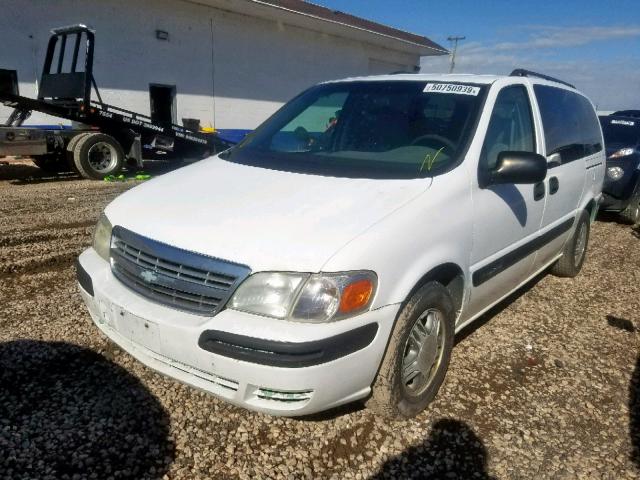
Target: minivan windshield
x,y
388,129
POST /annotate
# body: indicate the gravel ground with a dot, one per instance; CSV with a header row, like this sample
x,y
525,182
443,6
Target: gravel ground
x,y
547,385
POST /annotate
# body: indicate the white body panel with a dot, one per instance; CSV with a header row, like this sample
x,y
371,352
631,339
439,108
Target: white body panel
x,y
280,221
263,218
505,217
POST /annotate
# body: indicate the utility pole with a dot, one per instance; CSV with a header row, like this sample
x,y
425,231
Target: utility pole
x,y
454,41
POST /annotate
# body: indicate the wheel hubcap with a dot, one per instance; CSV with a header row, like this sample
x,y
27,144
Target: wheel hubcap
x,y
423,352
102,157
581,244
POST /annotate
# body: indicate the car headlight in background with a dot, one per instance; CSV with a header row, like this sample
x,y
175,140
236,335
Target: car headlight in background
x,y
303,297
623,152
102,237
615,173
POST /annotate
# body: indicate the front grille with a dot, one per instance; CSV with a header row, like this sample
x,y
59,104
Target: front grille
x,y
180,279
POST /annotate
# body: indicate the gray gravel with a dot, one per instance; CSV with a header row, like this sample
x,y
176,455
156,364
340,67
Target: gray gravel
x,y
545,386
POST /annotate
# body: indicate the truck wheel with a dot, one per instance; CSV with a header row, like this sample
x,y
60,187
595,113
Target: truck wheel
x,y
71,147
97,155
417,356
631,214
575,250
51,163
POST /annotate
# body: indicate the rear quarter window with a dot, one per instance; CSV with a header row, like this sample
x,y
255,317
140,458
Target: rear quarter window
x,y
571,127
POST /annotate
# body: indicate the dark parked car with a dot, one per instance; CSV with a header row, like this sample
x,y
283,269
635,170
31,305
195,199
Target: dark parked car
x,y
621,188
627,113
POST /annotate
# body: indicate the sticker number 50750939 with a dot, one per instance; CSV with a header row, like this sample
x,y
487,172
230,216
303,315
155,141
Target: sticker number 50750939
x,y
452,88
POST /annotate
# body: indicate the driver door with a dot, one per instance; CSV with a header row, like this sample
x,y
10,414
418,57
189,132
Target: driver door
x,y
506,217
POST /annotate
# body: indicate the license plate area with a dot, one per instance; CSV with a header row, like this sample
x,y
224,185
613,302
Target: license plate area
x,y
139,330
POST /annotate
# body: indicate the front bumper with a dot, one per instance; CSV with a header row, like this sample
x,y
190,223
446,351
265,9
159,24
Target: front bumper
x,y
175,343
613,204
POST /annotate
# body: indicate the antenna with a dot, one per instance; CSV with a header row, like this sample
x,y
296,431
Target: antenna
x,y
454,40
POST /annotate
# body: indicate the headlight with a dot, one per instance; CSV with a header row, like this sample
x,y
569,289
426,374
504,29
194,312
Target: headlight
x,y
269,294
102,237
622,153
306,298
615,173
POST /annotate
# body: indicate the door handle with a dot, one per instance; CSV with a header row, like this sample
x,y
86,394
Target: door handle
x,y
538,191
554,185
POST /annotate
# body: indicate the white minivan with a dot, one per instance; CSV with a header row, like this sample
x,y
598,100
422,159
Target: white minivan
x,y
333,254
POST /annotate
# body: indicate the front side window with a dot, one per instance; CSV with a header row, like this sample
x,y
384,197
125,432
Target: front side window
x,y
510,126
386,129
570,123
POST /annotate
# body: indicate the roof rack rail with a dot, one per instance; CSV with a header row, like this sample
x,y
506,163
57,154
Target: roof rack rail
x,y
521,72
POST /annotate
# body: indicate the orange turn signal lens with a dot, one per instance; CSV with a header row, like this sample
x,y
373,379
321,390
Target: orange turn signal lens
x,y
356,296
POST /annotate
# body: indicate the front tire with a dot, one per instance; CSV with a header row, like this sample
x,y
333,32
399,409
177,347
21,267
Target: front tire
x,y
575,250
417,356
631,214
97,155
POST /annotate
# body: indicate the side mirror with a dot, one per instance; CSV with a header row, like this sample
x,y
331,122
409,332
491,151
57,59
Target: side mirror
x,y
518,167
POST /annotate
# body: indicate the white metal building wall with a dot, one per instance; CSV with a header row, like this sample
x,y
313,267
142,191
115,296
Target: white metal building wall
x,y
230,70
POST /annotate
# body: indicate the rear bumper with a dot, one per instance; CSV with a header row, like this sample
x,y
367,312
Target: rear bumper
x,y
273,366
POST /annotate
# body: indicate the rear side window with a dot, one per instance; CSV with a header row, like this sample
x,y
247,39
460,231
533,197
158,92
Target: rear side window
x,y
570,123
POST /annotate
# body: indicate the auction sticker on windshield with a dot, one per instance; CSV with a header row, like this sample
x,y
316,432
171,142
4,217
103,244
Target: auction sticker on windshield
x,y
452,88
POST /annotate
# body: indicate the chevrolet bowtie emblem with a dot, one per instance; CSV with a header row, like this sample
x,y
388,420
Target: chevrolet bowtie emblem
x,y
148,276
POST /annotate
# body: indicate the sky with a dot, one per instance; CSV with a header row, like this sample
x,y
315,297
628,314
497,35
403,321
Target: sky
x,y
594,44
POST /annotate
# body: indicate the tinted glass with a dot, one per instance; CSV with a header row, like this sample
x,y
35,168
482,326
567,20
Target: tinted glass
x,y
570,123
388,129
510,127
622,132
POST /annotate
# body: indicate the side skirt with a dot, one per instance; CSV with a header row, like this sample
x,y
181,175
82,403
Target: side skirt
x,y
489,271
484,310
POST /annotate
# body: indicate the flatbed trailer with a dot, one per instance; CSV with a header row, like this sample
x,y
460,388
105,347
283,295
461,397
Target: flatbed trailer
x,y
108,137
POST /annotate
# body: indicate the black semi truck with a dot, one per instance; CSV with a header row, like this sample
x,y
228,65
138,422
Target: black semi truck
x,y
107,137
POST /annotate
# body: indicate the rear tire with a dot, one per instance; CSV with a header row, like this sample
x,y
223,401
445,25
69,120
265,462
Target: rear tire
x,y
71,147
417,356
97,155
575,250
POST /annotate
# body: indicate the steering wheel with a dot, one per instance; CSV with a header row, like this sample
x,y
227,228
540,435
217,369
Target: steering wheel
x,y
441,141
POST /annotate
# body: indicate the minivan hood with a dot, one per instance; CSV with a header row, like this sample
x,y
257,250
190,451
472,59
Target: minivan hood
x,y
266,219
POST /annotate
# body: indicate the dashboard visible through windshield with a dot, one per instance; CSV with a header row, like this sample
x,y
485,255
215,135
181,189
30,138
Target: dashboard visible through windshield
x,y
388,129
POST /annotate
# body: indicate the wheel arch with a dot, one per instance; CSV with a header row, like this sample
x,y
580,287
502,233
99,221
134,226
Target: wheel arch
x,y
451,276
591,207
